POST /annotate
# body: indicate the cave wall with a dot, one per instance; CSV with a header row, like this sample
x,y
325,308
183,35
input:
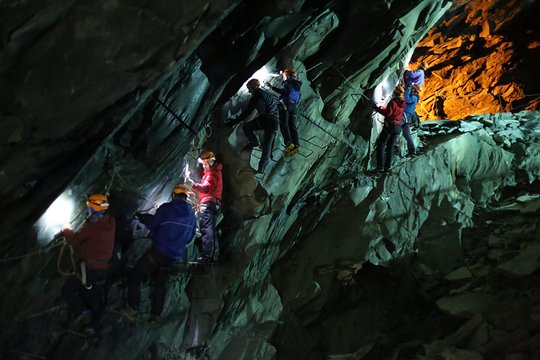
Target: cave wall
x,y
480,59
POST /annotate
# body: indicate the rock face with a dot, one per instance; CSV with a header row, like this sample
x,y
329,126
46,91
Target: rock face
x,y
320,257
480,59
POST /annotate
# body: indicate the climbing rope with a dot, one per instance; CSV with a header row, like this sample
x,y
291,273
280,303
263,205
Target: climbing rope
x,y
37,252
54,243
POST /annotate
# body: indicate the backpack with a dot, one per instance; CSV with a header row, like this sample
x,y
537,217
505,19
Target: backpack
x,y
293,95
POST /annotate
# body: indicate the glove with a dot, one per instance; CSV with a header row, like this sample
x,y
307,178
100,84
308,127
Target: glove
x,y
142,217
230,123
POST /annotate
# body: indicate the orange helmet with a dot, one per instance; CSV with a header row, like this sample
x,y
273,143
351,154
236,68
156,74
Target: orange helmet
x,y
290,72
181,189
398,91
207,155
97,202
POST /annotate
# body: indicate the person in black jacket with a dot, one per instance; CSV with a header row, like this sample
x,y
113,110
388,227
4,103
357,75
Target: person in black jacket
x,y
267,120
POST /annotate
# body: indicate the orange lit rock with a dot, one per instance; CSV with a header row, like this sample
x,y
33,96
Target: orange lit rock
x,y
467,74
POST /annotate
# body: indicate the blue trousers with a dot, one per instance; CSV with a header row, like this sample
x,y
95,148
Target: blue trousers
x,y
287,123
207,221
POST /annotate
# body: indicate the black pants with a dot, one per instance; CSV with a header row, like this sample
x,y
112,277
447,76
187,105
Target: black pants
x,y
385,146
79,298
287,123
207,221
151,263
270,129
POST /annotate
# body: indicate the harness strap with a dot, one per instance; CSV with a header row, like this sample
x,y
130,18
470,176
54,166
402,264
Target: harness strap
x,y
213,198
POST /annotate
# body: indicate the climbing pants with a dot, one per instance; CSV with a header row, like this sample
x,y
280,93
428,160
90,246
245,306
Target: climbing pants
x,y
207,221
385,145
151,263
91,297
270,128
287,123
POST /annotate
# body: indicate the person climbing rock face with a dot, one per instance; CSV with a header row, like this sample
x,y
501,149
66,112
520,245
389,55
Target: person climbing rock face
x,y
289,97
410,117
414,75
95,241
392,113
171,228
209,190
267,120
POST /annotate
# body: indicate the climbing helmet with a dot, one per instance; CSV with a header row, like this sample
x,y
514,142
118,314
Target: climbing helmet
x,y
181,188
97,202
290,72
207,155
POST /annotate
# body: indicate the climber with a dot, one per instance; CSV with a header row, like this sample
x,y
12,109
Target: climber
x,y
209,190
414,77
267,120
410,117
171,228
393,113
95,240
288,109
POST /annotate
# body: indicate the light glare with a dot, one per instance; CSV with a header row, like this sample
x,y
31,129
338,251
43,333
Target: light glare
x,y
57,215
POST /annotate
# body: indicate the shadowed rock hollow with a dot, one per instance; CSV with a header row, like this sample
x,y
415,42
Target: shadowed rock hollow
x,y
321,259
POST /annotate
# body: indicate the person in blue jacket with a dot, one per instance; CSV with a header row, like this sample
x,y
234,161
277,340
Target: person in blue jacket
x,y
171,229
289,97
410,117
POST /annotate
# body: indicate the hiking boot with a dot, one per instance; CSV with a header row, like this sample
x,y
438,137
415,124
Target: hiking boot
x,y
89,331
288,149
295,150
412,154
154,320
204,260
84,318
249,147
130,311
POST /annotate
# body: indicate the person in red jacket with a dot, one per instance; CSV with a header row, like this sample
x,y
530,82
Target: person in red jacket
x,y
95,241
209,190
393,113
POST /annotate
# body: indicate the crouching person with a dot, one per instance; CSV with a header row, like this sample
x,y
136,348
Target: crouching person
x,y
95,240
171,229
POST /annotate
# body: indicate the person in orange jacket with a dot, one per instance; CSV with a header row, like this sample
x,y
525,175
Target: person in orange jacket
x,y
95,241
